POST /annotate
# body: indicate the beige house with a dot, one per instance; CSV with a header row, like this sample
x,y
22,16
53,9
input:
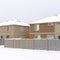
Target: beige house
x,y
14,29
47,28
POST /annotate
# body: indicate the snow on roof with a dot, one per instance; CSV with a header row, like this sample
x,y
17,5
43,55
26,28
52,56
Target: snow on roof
x,y
48,20
13,22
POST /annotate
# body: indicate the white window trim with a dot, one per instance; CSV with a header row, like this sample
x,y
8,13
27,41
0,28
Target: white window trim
x,y
38,37
36,27
50,36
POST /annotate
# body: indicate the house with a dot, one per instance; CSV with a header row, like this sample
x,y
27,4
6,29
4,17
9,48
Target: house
x,y
47,28
14,29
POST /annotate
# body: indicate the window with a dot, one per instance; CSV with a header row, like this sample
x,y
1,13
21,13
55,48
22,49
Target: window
x,y
58,37
50,24
7,28
36,27
1,36
50,36
7,36
37,36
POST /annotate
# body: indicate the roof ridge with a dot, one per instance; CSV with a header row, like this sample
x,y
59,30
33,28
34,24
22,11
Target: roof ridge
x,y
48,19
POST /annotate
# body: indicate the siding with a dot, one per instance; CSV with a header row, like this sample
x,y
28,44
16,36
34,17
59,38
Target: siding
x,y
15,31
44,30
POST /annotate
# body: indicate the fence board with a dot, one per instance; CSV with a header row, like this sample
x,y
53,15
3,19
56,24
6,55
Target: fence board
x,y
33,44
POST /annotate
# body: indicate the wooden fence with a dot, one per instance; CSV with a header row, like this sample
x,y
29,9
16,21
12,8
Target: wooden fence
x,y
32,44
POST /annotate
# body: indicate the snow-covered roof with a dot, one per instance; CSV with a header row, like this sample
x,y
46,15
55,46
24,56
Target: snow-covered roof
x,y
13,22
48,19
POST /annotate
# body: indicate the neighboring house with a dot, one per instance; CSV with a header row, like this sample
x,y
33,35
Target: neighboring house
x,y
14,29
48,28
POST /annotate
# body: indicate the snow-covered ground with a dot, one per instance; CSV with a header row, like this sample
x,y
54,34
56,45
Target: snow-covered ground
x,y
25,54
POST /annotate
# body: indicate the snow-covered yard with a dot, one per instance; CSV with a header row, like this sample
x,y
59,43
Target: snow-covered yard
x,y
25,54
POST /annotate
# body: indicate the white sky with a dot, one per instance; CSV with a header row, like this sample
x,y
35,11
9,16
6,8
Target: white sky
x,y
28,10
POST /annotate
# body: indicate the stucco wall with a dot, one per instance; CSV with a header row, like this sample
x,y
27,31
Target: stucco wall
x,y
57,30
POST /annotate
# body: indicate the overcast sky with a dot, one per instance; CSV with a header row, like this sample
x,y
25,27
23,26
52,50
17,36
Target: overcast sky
x,y
28,10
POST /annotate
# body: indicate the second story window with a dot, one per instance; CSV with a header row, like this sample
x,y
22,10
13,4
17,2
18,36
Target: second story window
x,y
7,28
36,27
